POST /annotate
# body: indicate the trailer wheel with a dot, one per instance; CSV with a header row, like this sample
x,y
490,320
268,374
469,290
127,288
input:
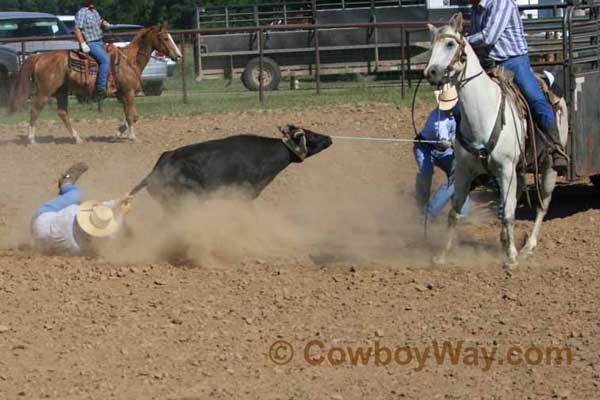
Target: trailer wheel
x,y
596,181
271,74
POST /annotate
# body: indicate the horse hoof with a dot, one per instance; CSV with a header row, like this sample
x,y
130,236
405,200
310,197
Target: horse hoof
x,y
32,142
78,140
525,253
439,260
510,265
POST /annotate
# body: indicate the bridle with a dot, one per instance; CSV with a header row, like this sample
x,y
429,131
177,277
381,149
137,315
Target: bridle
x,y
459,56
163,37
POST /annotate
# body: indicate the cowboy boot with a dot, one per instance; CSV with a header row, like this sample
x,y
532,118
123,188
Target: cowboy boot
x,y
560,162
72,174
100,96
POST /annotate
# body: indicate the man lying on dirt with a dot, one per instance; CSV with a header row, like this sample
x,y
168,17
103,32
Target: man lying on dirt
x,y
63,226
441,126
498,38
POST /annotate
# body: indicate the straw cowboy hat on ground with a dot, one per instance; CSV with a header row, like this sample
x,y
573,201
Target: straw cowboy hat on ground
x,y
96,219
447,97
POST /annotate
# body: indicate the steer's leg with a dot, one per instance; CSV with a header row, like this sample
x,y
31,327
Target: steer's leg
x,y
548,183
508,199
462,186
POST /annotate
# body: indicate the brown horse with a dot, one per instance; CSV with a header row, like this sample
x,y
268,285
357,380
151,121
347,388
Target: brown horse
x,y
52,76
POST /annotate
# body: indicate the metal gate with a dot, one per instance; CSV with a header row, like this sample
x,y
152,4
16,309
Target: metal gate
x,y
581,39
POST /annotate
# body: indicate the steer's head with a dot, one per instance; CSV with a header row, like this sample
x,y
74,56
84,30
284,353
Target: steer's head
x,y
303,142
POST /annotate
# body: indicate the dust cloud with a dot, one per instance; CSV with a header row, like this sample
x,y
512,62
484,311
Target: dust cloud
x,y
340,213
339,206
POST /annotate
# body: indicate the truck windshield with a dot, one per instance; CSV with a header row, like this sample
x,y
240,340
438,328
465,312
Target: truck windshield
x,y
13,28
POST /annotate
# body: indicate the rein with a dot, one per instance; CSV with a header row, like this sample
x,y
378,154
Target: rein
x,y
484,153
459,56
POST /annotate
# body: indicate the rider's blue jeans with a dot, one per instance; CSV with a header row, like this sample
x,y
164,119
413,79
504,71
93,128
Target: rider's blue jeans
x,y
69,195
427,157
97,51
525,79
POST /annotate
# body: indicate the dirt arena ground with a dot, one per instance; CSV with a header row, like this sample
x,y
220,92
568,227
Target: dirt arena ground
x,y
330,257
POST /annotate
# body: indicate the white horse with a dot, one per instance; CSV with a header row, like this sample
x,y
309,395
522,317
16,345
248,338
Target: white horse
x,y
454,61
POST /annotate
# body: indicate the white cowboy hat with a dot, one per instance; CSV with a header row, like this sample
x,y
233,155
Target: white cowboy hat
x,y
447,97
96,219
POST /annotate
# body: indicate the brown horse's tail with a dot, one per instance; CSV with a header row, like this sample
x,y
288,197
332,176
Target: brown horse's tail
x,y
19,92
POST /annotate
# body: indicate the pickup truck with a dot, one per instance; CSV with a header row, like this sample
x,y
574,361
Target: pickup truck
x,y
9,65
23,24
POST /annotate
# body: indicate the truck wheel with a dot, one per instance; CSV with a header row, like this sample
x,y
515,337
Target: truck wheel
x,y
596,181
271,74
4,88
153,88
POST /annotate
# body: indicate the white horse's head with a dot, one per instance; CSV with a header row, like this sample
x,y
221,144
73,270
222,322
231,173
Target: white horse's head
x,y
448,57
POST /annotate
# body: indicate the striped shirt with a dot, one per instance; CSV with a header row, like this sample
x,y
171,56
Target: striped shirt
x,y
89,21
497,30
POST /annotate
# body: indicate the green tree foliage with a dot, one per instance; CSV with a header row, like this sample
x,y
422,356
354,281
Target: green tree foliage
x,y
180,13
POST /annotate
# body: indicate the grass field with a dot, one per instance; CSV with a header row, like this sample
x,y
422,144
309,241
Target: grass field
x,y
220,96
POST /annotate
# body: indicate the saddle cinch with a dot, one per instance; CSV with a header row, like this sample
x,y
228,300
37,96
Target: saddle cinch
x,y
537,145
87,67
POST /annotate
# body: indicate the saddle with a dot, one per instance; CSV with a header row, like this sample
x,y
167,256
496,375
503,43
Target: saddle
x,y
537,146
87,67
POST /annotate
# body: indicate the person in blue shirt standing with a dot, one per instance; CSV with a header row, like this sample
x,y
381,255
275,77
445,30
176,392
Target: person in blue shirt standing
x,y
498,37
88,31
440,127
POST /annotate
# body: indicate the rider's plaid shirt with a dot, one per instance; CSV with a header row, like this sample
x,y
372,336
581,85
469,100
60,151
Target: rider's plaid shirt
x,y
497,26
89,22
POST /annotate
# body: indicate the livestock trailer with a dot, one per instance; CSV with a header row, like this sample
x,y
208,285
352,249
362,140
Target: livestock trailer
x,y
342,50
566,41
580,64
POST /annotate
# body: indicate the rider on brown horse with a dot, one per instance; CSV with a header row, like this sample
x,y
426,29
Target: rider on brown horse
x,y
52,75
88,31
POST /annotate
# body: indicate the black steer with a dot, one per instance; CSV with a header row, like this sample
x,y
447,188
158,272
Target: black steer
x,y
247,162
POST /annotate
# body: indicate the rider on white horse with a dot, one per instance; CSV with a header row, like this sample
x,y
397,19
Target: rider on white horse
x,y
498,38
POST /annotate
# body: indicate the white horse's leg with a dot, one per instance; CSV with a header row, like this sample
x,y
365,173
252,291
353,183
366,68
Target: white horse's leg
x,y
508,191
548,182
462,185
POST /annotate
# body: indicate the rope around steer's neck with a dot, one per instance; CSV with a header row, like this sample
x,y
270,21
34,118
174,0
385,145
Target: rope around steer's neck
x,y
301,151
